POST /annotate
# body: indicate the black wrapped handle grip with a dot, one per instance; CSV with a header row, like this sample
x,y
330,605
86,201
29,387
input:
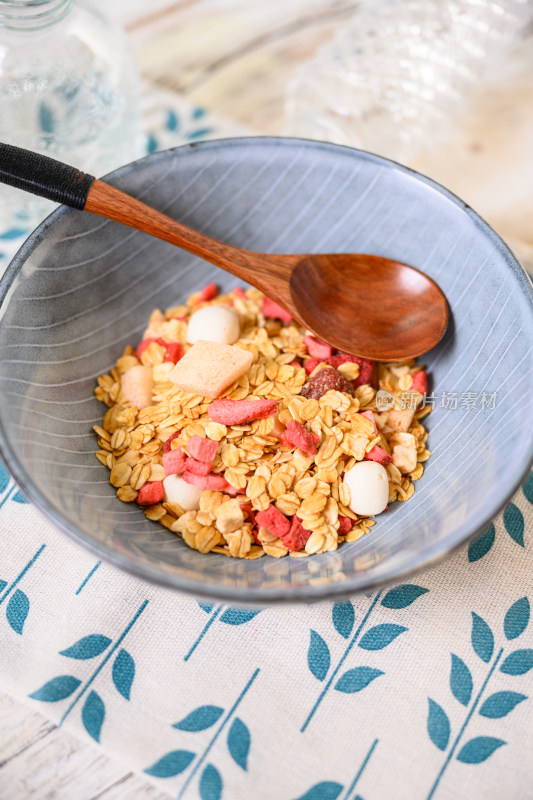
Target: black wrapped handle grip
x,y
44,176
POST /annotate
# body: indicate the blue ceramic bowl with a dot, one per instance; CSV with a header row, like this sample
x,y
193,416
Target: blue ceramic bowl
x,y
81,289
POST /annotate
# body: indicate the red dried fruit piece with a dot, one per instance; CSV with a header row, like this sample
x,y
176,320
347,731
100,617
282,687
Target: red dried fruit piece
x,y
150,493
272,310
216,483
317,348
174,462
255,532
284,440
295,363
310,364
297,537
345,526
197,467
235,412
247,509
202,449
420,381
239,292
141,347
273,521
208,293
324,380
367,373
233,492
166,446
370,415
174,352
378,454
299,436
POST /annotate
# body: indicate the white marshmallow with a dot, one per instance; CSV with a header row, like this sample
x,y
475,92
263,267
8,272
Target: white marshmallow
x,y
368,483
214,324
185,494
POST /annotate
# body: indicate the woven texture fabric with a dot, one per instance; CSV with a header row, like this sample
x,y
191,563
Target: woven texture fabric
x,y
416,691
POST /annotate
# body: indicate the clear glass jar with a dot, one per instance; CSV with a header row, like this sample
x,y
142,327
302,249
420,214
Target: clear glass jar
x,y
69,89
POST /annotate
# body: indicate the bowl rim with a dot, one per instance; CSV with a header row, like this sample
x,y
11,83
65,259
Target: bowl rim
x,y
425,558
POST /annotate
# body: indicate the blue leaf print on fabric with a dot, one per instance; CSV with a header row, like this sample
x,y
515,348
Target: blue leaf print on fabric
x,y
516,619
17,610
438,725
198,112
56,689
402,596
518,663
239,742
528,488
343,617
46,118
479,749
207,607
514,523
171,764
461,682
356,679
318,657
14,233
19,498
88,647
327,790
482,638
93,714
210,784
238,616
380,636
482,545
3,585
4,477
199,134
123,673
151,144
500,704
172,122
200,719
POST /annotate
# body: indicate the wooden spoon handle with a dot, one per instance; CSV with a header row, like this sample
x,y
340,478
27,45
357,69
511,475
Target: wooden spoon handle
x,y
61,183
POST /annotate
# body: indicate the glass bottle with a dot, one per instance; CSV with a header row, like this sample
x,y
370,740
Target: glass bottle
x,y
68,89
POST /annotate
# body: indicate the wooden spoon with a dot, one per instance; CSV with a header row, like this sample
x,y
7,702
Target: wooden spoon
x,y
366,305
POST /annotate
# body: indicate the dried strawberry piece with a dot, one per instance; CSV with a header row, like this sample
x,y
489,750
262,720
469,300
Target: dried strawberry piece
x,y
202,449
174,462
232,491
166,446
317,348
239,292
247,509
273,521
197,467
345,526
420,381
272,310
284,440
216,483
295,363
297,537
367,372
324,380
174,352
299,436
378,454
235,412
141,347
311,364
255,532
150,493
370,415
208,293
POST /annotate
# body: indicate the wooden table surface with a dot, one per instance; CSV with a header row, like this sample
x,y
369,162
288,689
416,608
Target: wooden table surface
x,y
236,57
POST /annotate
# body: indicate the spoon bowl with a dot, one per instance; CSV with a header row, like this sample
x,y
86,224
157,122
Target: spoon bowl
x,y
370,306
